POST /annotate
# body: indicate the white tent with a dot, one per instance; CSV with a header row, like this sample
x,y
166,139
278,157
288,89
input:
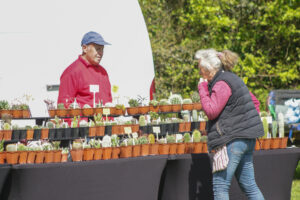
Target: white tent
x,y
40,38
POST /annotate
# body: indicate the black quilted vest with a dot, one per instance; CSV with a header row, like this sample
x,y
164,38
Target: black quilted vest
x,y
239,118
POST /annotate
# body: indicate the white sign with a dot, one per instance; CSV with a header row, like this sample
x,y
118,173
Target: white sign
x,y
156,129
127,130
94,88
106,111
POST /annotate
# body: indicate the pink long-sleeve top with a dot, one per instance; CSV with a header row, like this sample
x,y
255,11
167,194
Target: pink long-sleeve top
x,y
214,104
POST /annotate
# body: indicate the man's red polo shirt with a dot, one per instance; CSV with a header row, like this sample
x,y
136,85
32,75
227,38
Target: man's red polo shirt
x,y
76,80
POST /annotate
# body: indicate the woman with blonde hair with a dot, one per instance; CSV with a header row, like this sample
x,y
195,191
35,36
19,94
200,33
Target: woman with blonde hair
x,y
233,125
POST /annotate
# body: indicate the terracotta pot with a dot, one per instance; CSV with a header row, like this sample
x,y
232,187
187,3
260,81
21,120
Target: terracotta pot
x,y
2,157
143,109
106,153
187,106
187,126
100,130
64,157
87,112
145,150
6,112
29,135
12,157
61,112
257,145
98,154
98,110
88,154
44,133
77,155
180,148
115,154
266,143
154,149
202,125
132,110
31,157
176,107
92,131
57,156
1,135
189,147
119,111
275,143
26,113
198,146
173,148
154,108
23,157
204,148
17,113
135,127
197,106
165,108
163,149
49,156
112,110
283,143
126,151
75,112
136,150
52,113
116,129
181,127
7,134
40,155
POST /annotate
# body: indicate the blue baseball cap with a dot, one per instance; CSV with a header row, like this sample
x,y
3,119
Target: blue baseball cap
x,y
93,37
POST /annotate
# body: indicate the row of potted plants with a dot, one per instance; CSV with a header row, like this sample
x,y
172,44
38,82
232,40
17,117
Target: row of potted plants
x,y
15,111
35,152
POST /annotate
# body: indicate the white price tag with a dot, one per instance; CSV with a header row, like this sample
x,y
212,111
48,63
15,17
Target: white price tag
x,y
94,88
106,111
156,129
127,130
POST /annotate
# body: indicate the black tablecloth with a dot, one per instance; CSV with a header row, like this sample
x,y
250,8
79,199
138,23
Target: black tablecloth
x,y
189,176
133,178
4,182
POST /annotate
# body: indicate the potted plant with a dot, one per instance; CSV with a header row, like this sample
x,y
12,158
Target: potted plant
x,y
143,124
7,132
100,126
23,153
126,148
59,131
115,146
2,153
92,128
176,101
197,141
108,128
204,145
33,148
189,146
98,109
83,128
171,140
75,129
66,130
120,109
145,146
96,144
48,152
143,108
187,104
87,110
106,146
136,148
154,106
111,107
163,148
29,132
77,151
15,132
56,151
61,110
153,146
64,154
74,109
50,107
164,105
196,101
16,111
283,142
25,110
266,142
88,152
275,141
51,128
12,156
180,144
195,124
44,132
203,120
4,108
133,109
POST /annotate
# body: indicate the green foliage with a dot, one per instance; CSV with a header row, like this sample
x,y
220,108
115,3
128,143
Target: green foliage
x,y
60,106
171,139
4,105
187,137
142,120
196,136
265,34
133,103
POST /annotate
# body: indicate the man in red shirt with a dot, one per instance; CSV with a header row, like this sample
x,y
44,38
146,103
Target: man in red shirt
x,y
85,71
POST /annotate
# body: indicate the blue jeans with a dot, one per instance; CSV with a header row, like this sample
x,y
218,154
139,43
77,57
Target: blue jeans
x,y
240,154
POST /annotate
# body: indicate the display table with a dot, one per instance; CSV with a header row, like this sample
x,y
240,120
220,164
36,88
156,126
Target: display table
x,y
133,178
189,176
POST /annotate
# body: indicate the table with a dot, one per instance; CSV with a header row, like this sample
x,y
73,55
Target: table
x,y
133,178
189,176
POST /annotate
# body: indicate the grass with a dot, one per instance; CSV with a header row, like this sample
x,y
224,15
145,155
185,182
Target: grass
x,y
295,193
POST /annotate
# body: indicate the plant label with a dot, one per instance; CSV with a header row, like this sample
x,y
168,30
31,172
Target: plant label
x,y
106,111
156,129
94,88
127,130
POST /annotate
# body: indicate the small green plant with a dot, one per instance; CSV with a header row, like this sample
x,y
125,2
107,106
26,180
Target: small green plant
x,y
133,103
27,127
196,136
195,115
106,141
274,128
6,126
11,147
74,123
187,137
195,97
86,106
175,99
120,106
115,140
15,127
56,145
187,101
16,107
162,141
153,115
74,105
76,145
163,102
153,103
143,140
151,138
179,138
142,120
266,126
203,138
61,106
171,139
22,147
4,105
50,124
281,124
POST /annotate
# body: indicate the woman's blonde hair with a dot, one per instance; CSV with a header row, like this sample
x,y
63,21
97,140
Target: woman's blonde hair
x,y
229,59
